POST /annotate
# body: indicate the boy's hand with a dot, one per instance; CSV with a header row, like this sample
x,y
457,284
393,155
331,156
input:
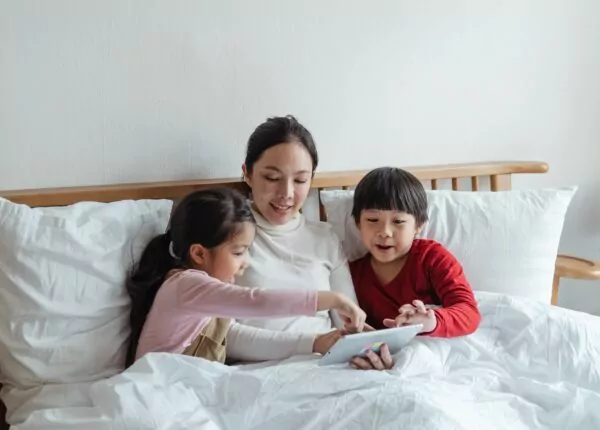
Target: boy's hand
x,y
381,360
411,314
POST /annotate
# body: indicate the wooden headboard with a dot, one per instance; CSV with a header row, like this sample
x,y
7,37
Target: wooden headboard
x,y
497,174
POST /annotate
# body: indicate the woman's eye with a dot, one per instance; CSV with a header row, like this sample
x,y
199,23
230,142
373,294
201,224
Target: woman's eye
x,y
301,181
271,178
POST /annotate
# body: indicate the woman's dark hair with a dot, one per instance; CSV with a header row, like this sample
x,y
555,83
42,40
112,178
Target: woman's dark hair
x,y
390,188
207,217
278,130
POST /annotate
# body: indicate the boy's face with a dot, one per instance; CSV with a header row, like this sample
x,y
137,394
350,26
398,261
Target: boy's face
x,y
387,234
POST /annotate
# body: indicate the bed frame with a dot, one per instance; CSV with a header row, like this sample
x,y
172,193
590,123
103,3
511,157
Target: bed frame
x,y
494,176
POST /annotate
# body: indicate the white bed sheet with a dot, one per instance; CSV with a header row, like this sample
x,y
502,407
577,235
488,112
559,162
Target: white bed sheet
x,y
529,366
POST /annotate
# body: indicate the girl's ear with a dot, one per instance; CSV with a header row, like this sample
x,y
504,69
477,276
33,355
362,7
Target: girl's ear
x,y
198,255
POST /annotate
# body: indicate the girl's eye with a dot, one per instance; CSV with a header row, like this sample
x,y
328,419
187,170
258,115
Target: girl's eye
x,y
372,219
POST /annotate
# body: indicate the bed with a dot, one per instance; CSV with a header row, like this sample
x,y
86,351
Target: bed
x,y
63,319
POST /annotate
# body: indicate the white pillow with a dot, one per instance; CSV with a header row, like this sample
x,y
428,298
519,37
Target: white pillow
x,y
64,309
506,241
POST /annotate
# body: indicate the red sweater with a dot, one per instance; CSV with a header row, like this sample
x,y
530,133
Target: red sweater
x,y
430,274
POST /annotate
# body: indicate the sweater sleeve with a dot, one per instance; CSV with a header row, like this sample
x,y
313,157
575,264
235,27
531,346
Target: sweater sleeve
x,y
340,280
198,292
249,343
459,314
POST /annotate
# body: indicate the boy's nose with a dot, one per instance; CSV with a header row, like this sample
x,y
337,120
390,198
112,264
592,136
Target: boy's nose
x,y
386,231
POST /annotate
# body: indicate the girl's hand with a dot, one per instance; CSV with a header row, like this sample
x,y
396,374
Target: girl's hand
x,y
411,314
353,316
324,342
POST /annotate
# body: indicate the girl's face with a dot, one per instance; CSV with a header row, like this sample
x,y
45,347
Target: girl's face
x,y
280,181
229,259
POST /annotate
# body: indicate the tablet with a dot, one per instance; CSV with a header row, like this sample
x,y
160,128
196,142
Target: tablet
x,y
358,344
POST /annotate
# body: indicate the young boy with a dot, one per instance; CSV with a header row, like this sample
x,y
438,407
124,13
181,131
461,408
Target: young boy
x,y
404,280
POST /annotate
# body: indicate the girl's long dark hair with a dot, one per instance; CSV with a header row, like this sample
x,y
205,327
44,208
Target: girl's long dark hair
x,y
207,217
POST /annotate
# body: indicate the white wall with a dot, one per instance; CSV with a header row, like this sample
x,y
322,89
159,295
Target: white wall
x,y
137,90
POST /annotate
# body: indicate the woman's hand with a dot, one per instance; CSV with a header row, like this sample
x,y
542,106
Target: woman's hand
x,y
353,316
381,360
324,342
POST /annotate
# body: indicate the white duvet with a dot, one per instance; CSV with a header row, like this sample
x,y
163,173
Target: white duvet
x,y
529,366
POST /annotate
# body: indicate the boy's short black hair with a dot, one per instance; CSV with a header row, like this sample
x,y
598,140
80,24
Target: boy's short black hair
x,y
390,188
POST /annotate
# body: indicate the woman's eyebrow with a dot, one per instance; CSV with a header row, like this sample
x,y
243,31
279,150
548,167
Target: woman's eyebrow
x,y
279,171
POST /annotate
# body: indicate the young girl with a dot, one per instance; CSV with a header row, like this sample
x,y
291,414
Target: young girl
x,y
183,293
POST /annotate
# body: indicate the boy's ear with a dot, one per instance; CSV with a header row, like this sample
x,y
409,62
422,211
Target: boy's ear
x,y
420,229
198,254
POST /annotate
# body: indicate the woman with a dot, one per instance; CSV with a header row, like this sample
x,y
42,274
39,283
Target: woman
x,y
289,251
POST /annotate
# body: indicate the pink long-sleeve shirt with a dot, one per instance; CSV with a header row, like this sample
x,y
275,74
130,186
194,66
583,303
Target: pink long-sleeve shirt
x,y
187,301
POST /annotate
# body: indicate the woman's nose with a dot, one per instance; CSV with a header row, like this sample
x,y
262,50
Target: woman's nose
x,y
286,189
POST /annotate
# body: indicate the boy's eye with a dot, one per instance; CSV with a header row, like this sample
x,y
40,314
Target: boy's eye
x,y
372,219
399,221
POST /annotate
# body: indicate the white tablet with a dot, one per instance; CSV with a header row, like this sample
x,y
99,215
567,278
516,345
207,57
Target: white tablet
x,y
358,344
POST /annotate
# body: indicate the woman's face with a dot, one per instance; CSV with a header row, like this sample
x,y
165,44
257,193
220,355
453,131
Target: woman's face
x,y
280,181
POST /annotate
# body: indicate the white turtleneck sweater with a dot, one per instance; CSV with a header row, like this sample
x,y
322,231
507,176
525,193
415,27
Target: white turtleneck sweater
x,y
299,254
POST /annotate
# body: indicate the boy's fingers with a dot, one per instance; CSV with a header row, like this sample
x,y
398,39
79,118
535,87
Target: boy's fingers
x,y
405,308
420,306
390,323
360,363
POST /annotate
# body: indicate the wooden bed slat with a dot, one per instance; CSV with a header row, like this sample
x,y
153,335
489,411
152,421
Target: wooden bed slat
x,y
500,182
454,184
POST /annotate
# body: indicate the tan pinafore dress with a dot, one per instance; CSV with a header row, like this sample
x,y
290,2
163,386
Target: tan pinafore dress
x,y
211,343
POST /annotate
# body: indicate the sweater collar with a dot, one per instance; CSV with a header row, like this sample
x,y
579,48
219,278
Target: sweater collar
x,y
264,225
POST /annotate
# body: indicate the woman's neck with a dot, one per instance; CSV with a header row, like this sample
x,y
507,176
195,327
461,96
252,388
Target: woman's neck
x,y
263,224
